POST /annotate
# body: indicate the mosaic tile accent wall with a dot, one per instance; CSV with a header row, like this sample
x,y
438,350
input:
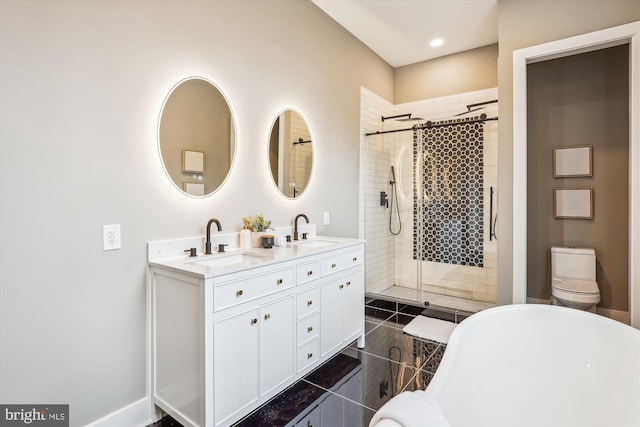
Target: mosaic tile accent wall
x,y
450,209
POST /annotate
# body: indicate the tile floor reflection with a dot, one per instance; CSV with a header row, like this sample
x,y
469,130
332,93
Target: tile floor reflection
x,y
349,388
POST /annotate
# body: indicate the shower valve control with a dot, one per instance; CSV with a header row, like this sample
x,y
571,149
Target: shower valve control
x,y
384,200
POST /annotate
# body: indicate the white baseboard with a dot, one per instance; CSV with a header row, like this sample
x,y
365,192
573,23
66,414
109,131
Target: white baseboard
x,y
136,414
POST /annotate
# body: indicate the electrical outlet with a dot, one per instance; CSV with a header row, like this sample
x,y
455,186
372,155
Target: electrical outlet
x,y
111,237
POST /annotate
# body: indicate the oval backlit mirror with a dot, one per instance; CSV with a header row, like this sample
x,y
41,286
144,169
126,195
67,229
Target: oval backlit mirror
x,y
197,136
290,153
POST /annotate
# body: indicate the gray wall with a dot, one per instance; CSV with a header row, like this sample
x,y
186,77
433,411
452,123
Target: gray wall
x,y
468,71
580,100
524,23
82,85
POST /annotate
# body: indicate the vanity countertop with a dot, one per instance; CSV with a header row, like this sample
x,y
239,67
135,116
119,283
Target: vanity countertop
x,y
207,266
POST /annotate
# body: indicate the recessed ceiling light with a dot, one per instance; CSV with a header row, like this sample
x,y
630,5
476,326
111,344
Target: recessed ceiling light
x,y
436,42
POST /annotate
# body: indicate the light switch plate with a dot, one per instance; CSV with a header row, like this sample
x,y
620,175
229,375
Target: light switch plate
x,y
327,218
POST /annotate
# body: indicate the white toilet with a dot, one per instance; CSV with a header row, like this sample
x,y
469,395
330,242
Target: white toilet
x,y
573,278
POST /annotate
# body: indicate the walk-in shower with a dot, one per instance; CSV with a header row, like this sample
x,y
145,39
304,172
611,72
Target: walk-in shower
x,y
433,242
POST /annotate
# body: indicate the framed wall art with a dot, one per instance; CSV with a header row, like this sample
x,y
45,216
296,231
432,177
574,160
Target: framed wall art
x,y
194,188
192,161
574,161
573,203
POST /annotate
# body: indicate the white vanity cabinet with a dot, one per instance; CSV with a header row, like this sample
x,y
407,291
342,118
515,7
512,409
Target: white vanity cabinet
x,y
226,340
253,355
341,313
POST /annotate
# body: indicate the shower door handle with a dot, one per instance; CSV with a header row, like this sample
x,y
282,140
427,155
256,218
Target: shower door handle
x,y
492,225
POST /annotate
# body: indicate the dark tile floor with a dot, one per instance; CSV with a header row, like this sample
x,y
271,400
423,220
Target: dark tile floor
x,y
349,388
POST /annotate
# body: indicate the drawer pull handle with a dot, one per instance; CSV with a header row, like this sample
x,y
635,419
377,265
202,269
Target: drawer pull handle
x,y
310,273
254,321
239,293
309,303
333,265
267,316
279,282
355,259
348,283
309,355
341,286
310,328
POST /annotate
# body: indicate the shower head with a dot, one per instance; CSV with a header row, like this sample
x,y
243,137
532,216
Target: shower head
x,y
402,118
393,175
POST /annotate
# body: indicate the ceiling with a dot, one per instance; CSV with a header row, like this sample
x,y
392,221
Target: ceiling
x,y
399,31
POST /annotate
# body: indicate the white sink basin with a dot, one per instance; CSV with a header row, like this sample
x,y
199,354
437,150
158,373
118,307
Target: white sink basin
x,y
217,261
315,243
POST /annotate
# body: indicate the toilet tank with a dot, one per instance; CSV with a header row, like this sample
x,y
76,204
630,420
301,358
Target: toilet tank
x,y
573,263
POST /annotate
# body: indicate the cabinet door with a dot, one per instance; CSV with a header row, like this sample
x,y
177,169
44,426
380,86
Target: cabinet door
x,y
235,353
352,390
331,315
332,411
277,326
352,305
312,419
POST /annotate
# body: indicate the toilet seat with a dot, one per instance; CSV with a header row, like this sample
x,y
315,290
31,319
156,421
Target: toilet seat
x,y
573,286
580,294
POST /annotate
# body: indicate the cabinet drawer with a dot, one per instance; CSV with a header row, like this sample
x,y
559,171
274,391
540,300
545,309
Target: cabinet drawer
x,y
307,272
341,262
308,302
308,328
231,293
308,354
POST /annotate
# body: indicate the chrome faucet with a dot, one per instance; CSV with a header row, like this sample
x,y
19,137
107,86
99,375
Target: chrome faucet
x,y
208,242
295,223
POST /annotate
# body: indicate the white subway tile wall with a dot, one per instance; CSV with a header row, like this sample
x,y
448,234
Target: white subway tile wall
x,y
389,258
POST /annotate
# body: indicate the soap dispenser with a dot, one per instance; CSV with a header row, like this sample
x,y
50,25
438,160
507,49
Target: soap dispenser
x,y
245,238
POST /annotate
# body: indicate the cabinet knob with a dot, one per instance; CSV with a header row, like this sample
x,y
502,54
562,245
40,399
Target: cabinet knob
x,y
309,355
310,328
279,281
309,303
267,316
341,286
348,283
355,259
310,273
239,293
333,265
254,321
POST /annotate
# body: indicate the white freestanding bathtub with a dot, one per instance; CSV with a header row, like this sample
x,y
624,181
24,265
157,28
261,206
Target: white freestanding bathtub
x,y
529,364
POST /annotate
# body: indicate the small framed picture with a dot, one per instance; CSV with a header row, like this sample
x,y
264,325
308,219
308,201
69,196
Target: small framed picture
x,y
574,161
194,188
573,203
192,161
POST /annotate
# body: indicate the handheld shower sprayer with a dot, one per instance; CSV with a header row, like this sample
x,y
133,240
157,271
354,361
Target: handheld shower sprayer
x,y
394,199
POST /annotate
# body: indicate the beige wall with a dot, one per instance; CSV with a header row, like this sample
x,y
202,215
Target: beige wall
x,y
468,71
524,23
82,84
580,100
